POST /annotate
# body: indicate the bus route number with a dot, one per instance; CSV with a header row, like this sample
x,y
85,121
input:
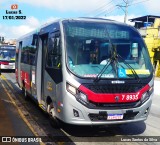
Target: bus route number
x,y
130,97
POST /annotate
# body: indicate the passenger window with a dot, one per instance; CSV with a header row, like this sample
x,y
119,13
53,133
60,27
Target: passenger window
x,y
29,50
53,53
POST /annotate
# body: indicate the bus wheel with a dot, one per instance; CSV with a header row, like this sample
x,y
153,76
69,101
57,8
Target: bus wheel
x,y
53,120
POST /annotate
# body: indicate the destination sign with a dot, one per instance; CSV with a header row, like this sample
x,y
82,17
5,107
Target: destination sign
x,y
97,33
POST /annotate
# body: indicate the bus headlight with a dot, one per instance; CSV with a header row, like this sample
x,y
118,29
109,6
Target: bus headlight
x,y
146,95
71,89
80,96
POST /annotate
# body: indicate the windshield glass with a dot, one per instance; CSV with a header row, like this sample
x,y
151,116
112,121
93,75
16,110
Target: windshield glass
x,y
90,46
7,53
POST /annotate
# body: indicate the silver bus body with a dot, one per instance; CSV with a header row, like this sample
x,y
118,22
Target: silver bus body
x,y
62,91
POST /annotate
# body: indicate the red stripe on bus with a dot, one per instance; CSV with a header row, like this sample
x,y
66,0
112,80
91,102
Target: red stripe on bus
x,y
25,76
4,63
111,98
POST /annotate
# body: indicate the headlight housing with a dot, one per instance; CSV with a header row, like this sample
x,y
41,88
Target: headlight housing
x,y
147,94
80,96
71,89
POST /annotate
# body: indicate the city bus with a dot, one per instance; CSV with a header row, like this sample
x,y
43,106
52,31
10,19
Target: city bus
x,y
7,57
86,71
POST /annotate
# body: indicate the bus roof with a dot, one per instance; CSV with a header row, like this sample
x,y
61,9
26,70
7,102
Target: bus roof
x,y
95,19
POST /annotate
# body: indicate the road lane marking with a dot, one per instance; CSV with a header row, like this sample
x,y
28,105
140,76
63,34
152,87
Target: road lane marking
x,y
19,111
4,78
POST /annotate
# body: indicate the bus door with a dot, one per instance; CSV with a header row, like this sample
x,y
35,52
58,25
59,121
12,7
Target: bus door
x,y
33,62
53,73
40,67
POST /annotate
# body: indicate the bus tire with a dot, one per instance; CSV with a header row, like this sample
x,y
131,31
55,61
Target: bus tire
x,y
53,120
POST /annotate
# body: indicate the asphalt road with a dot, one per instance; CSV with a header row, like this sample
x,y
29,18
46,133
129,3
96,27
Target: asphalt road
x,y
89,135
11,123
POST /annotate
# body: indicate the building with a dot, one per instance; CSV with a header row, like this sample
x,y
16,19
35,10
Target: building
x,y
11,42
149,28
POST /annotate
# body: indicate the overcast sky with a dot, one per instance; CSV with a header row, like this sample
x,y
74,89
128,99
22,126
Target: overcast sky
x,y
39,12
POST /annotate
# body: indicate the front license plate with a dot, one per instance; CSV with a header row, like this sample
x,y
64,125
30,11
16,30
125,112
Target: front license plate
x,y
115,116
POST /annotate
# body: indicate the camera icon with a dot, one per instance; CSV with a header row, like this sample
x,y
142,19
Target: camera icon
x,y
6,139
14,6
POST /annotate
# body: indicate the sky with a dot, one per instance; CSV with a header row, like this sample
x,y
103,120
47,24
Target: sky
x,y
40,12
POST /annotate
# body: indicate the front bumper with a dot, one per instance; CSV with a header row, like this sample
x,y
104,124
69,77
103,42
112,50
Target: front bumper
x,y
88,116
5,67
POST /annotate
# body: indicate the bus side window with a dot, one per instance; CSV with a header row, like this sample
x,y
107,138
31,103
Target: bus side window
x,y
53,53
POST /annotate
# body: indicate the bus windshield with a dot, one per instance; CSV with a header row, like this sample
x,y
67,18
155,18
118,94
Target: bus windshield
x,y
7,53
91,45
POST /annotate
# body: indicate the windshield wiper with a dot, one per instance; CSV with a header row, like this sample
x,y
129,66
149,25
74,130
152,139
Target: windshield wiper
x,y
128,65
109,61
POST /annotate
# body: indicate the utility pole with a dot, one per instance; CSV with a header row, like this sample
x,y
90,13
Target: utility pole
x,y
1,39
125,10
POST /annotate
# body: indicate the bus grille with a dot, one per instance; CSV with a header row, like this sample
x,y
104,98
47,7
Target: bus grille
x,y
114,88
109,106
